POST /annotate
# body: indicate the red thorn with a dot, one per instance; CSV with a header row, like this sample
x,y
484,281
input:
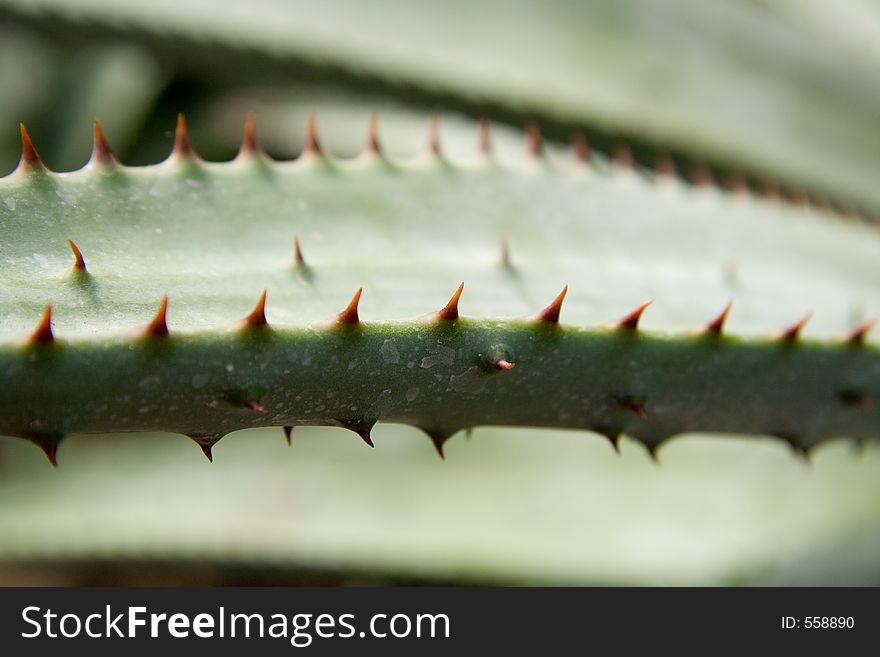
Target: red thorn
x,y
716,326
51,452
257,317
182,147
623,157
550,314
769,189
249,137
580,147
434,138
79,263
364,433
313,144
158,327
505,252
792,332
350,314
665,167
631,321
298,259
287,431
503,364
43,333
255,406
736,183
373,145
30,159
638,408
701,176
855,399
798,198
533,139
207,451
485,138
857,336
101,153
449,312
613,437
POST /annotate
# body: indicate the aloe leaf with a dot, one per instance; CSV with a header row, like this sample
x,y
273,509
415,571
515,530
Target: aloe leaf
x,y
407,233
751,86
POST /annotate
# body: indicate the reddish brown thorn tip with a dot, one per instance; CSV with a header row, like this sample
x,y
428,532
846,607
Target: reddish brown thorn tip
x,y
449,312
857,336
623,157
534,141
580,148
701,176
665,167
653,449
298,259
249,137
257,317
158,327
503,364
30,159
792,332
313,144
182,146
613,437
43,333
769,189
101,153
505,252
485,138
736,183
716,326
373,145
207,451
638,408
288,430
550,314
364,433
350,314
434,138
631,321
79,263
49,447
255,406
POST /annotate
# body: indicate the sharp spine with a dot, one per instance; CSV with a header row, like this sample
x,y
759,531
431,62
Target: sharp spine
x,y
255,406
623,157
288,430
349,316
550,314
485,138
857,337
249,146
101,153
182,148
312,146
43,334
580,148
158,326
716,326
79,264
374,146
534,140
631,321
792,333
257,317
30,159
298,258
449,312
